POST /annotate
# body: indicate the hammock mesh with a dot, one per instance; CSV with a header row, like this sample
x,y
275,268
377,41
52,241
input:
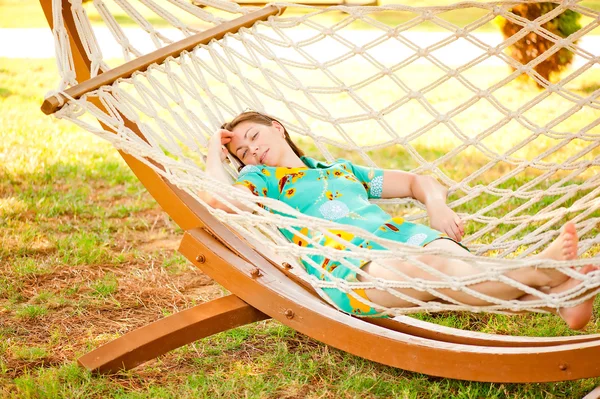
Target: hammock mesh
x,y
346,82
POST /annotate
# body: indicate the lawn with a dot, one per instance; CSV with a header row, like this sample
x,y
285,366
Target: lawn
x,y
87,255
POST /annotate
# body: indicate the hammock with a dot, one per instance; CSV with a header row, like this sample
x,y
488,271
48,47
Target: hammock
x,y
178,85
292,66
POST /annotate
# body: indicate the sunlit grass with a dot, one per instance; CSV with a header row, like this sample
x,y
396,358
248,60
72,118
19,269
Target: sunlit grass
x,y
74,274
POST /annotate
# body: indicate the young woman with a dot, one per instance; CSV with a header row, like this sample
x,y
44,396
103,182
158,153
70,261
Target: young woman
x,y
276,168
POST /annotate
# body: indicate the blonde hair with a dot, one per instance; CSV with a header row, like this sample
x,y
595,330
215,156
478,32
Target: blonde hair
x,y
257,117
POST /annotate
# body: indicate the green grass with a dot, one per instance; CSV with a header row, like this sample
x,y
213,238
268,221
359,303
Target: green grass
x,y
107,286
31,312
86,255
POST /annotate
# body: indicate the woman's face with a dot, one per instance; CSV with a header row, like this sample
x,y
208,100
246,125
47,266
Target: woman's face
x,y
257,144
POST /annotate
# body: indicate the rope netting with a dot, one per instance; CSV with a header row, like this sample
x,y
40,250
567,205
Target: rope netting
x,y
370,85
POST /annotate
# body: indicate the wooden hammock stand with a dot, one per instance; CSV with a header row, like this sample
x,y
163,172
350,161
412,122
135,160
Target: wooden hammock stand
x,y
263,288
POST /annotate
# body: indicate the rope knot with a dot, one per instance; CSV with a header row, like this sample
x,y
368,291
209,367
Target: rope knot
x,y
442,118
418,285
59,96
461,32
492,51
531,26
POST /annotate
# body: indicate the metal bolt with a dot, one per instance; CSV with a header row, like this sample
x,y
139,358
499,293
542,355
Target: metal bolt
x,y
289,313
563,367
200,258
286,265
255,273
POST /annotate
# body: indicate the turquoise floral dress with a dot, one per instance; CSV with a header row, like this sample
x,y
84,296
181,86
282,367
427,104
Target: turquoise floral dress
x,y
340,192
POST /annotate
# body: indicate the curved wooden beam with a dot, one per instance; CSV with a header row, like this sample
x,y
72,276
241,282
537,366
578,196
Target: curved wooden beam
x,y
265,287
162,336
424,329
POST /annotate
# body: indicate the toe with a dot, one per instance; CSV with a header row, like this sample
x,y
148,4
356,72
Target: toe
x,y
569,229
588,269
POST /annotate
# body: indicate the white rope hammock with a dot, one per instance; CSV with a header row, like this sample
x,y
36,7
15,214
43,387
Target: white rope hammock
x,y
529,173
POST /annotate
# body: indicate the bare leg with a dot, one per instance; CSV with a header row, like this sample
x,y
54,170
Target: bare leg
x,y
564,247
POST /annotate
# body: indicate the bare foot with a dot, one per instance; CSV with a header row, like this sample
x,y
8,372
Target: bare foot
x,y
578,316
564,247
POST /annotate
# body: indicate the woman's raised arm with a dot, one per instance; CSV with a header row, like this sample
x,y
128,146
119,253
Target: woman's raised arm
x,y
214,167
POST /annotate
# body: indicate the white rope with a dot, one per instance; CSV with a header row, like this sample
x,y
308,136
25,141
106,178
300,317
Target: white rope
x,y
279,66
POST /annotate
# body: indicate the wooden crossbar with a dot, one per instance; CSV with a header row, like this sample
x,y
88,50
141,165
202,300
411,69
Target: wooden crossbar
x,y
162,336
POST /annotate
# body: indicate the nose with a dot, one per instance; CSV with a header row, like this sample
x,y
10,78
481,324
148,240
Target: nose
x,y
254,149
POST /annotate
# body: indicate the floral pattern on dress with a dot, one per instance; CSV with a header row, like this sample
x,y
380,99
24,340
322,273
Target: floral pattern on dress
x,y
334,210
249,169
416,239
376,188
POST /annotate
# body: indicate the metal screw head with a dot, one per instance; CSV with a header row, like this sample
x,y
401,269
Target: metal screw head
x,y
563,367
200,258
289,313
255,273
286,265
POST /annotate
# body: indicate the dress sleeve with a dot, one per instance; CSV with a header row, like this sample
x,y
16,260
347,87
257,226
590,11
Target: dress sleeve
x,y
258,180
371,178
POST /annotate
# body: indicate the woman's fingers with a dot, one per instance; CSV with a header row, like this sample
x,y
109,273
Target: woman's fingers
x,y
224,153
460,224
455,231
451,234
225,139
222,135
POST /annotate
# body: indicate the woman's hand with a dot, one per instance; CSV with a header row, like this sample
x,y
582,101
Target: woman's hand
x,y
444,219
217,143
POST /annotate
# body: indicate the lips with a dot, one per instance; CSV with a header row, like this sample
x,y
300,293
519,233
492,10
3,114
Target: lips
x,y
262,157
